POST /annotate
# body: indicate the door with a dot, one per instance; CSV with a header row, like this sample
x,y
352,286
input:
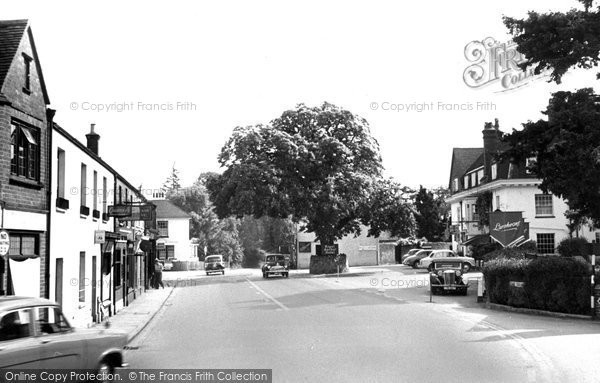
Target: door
x,y
18,347
94,294
59,346
58,284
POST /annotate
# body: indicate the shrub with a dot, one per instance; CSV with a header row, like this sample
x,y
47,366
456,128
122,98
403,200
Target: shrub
x,y
526,251
254,257
571,247
550,283
479,250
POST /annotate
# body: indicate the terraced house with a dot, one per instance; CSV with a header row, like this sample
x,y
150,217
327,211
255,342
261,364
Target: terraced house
x,y
503,186
24,173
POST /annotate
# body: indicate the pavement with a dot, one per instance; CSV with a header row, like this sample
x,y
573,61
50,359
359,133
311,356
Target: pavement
x,y
135,317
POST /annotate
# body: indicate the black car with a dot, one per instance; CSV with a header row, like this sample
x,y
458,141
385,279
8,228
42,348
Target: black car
x,y
276,264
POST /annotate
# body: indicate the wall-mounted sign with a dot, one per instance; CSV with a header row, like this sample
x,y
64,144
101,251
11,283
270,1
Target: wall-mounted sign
x,y
367,248
508,228
4,242
119,211
141,213
330,250
99,236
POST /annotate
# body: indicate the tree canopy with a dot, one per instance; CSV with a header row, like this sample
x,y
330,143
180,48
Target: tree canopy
x,y
318,165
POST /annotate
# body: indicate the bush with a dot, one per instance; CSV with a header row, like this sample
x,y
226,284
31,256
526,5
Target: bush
x,y
253,258
572,247
526,251
479,250
550,283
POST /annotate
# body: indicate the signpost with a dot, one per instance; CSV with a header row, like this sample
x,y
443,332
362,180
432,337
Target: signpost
x,y
99,237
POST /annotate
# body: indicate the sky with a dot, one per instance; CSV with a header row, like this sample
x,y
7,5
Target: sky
x,y
167,82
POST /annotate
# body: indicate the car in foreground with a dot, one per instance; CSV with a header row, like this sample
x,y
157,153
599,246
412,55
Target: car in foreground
x,y
276,264
413,260
214,264
446,277
446,255
34,334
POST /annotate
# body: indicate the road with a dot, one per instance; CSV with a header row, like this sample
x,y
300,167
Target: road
x,y
373,326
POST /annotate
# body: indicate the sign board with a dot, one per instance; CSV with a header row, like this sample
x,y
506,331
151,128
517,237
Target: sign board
x,y
119,211
99,236
141,213
4,242
330,250
367,248
160,246
508,228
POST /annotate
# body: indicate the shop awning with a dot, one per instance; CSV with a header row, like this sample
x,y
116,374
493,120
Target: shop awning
x,y
477,240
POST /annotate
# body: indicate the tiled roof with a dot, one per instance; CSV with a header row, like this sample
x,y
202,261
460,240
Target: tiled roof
x,y
11,33
166,209
463,159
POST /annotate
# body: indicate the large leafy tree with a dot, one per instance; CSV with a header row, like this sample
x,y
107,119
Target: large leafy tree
x,y
318,165
567,144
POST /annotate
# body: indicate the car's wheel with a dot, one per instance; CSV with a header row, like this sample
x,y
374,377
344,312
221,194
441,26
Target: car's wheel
x,y
222,272
105,370
287,275
430,268
207,273
466,267
415,264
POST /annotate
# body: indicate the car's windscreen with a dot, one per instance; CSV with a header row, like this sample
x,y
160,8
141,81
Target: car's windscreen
x,y
212,260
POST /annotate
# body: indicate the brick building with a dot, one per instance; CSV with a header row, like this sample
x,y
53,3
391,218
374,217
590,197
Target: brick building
x,y
24,173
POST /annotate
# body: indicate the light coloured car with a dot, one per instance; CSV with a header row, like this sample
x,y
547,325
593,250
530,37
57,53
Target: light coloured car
x,y
445,254
411,252
413,260
214,264
34,334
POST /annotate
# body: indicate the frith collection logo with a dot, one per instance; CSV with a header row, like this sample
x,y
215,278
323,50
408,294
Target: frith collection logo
x,y
492,62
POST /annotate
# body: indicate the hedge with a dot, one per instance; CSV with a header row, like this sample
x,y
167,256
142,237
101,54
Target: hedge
x,y
549,283
572,247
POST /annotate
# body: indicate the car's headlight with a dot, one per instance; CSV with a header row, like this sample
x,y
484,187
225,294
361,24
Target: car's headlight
x,y
458,273
440,273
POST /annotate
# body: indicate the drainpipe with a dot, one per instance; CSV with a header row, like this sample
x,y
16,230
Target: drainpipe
x,y
50,120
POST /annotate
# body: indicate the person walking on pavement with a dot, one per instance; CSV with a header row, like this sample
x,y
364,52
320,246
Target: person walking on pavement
x,y
158,268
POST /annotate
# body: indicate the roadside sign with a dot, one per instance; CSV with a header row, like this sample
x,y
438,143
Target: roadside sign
x,y
119,211
99,236
4,242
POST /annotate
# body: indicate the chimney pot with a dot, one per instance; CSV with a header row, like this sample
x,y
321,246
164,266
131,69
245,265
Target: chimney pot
x,y
92,139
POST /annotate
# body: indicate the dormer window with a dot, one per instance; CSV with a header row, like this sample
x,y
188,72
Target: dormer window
x,y
494,171
455,184
466,182
530,162
27,80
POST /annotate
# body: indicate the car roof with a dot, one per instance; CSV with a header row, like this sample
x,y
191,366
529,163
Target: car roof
x,y
214,256
13,302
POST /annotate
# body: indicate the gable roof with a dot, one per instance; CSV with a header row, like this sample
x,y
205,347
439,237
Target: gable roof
x,y
11,34
166,209
464,159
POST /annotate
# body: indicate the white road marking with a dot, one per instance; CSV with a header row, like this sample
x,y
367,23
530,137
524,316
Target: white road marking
x,y
267,295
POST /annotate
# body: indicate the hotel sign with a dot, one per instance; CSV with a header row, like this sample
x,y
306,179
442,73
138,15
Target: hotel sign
x,y
508,228
119,211
132,212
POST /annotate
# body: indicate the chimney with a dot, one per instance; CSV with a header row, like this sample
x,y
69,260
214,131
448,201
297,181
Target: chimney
x,y
92,140
491,146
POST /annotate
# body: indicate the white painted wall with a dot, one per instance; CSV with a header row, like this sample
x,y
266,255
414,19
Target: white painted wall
x,y
72,233
179,236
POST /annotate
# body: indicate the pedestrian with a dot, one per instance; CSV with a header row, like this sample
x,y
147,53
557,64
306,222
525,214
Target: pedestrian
x,y
158,268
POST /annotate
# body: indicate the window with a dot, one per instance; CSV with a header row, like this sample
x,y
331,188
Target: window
x,y
49,320
466,182
479,176
104,192
15,325
27,80
305,247
543,205
529,162
95,195
82,276
120,195
61,173
545,243
23,244
24,151
497,202
163,228
83,189
475,213
170,251
473,179
597,237
494,171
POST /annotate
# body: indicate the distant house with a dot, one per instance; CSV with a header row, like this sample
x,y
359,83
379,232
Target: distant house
x,y
24,175
510,187
360,251
173,226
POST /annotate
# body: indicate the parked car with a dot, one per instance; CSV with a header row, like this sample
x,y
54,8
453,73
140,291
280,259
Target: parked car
x,y
34,334
214,264
168,264
410,253
438,255
446,276
276,264
414,259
